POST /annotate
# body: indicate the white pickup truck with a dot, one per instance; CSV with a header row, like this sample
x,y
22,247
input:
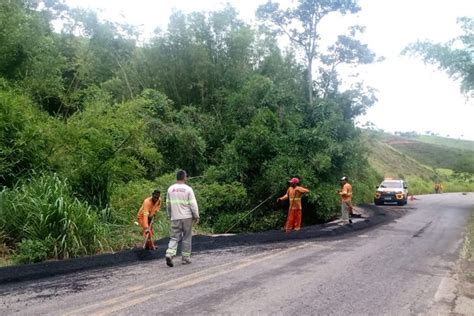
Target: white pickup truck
x,y
391,191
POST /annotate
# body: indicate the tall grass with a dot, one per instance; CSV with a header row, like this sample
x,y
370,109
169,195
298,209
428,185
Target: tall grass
x,y
41,215
417,185
4,250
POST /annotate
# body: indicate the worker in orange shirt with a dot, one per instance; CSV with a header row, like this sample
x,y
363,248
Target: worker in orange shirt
x,y
294,194
438,187
346,203
151,205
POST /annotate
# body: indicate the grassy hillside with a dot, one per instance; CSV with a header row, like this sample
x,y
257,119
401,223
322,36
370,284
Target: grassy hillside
x,y
390,162
433,151
421,163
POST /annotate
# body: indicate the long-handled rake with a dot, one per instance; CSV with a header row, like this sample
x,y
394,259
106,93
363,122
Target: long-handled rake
x,y
147,235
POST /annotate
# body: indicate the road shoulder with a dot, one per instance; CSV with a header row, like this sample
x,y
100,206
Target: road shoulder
x,y
456,291
372,217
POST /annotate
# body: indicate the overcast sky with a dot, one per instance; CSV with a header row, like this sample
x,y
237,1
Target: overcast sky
x,y
412,96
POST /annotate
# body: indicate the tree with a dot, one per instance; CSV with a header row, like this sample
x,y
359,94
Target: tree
x,y
100,56
300,24
210,94
346,50
455,57
28,56
199,58
23,144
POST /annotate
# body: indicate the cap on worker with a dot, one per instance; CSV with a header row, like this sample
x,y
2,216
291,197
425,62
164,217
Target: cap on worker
x,y
344,178
294,181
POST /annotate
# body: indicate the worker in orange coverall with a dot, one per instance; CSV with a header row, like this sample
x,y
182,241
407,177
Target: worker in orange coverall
x,y
346,197
151,205
294,194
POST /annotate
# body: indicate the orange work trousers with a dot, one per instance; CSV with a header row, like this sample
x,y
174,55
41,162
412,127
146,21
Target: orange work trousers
x,y
149,243
293,220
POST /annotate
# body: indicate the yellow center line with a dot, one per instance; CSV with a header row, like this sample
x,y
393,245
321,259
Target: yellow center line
x,y
127,300
138,290
123,297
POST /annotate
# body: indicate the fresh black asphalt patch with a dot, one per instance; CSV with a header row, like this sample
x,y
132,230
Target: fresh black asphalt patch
x,y
377,215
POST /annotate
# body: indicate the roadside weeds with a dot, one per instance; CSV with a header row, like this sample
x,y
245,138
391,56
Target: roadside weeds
x,y
461,301
455,295
467,261
5,259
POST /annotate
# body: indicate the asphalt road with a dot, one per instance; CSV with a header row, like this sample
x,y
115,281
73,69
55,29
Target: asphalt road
x,y
397,268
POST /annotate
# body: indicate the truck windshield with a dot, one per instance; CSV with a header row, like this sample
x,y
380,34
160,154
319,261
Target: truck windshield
x,y
391,185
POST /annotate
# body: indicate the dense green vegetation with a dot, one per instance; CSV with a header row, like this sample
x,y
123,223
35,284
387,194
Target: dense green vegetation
x,y
91,122
41,217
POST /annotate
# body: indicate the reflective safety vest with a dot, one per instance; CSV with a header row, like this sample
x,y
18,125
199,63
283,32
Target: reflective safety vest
x,y
346,193
294,196
181,202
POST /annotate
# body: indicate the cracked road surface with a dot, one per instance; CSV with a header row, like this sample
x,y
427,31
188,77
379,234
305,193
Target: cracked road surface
x,y
395,268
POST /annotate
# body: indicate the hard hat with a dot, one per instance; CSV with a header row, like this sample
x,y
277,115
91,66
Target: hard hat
x,y
294,181
344,178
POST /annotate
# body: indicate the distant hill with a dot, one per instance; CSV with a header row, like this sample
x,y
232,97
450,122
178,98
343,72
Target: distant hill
x,y
422,161
429,151
420,155
444,141
388,161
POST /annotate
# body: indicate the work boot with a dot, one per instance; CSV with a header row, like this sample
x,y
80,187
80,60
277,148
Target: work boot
x,y
169,261
186,260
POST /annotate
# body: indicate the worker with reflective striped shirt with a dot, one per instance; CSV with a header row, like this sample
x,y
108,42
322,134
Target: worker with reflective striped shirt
x,y
182,209
294,194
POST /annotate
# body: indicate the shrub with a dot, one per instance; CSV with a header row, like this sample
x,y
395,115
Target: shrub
x,y
273,219
246,221
235,222
4,250
23,145
218,202
325,202
31,251
103,145
416,185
